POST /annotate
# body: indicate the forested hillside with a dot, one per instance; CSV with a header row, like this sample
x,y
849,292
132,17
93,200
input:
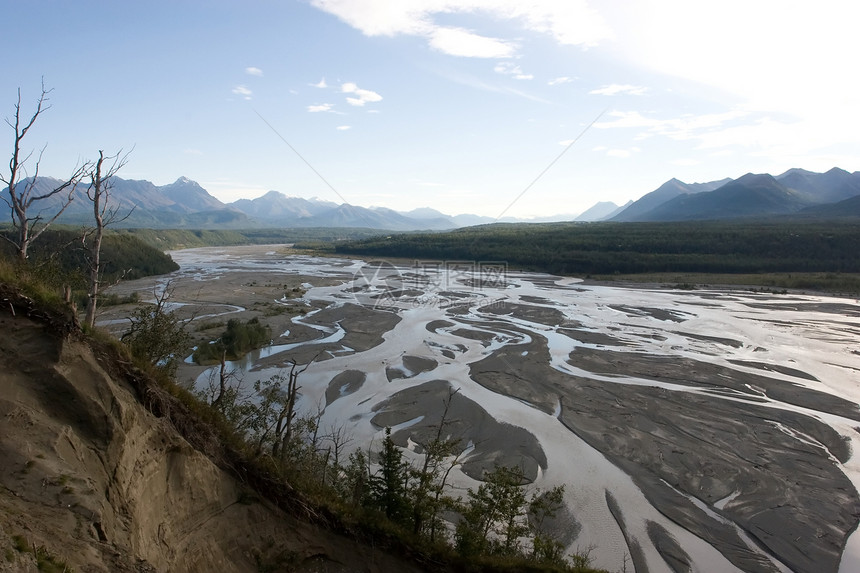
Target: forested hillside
x,y
607,248
123,255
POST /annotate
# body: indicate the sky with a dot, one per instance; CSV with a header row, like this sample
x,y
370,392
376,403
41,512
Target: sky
x,y
489,107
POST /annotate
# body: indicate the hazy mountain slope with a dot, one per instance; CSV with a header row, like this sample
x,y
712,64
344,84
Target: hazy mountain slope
x,y
191,196
347,215
847,208
752,195
830,187
275,206
636,210
124,195
598,211
708,186
139,203
667,191
98,482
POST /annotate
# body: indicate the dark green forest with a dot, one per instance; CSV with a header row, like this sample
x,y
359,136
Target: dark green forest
x,y
64,252
633,248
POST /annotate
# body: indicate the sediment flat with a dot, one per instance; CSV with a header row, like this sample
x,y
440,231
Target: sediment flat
x,y
712,430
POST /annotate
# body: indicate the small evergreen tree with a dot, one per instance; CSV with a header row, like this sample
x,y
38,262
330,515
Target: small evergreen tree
x,y
388,485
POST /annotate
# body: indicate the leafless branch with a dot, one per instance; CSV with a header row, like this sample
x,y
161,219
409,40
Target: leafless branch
x,y
21,188
104,214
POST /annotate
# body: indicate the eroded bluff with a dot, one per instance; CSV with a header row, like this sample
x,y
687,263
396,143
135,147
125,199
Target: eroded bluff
x,y
93,479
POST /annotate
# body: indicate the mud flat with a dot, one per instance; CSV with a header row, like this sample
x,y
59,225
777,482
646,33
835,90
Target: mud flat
x,y
711,430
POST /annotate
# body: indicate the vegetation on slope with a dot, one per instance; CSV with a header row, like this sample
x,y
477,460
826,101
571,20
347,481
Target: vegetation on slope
x,y
64,252
606,248
169,239
784,254
238,339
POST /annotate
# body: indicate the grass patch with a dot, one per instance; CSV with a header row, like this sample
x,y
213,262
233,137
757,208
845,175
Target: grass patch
x,y
210,325
46,561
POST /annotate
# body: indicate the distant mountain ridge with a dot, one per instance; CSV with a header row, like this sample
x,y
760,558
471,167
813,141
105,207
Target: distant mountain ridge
x,y
796,191
186,204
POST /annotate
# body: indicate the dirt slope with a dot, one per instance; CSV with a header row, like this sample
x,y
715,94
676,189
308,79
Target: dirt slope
x,y
92,478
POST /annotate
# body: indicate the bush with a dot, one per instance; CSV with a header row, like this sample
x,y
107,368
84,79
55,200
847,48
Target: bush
x,y
238,339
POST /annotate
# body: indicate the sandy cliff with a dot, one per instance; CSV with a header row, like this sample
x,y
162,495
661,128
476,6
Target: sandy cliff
x,y
94,479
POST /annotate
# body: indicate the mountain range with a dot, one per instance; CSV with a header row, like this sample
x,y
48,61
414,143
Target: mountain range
x,y
796,192
185,204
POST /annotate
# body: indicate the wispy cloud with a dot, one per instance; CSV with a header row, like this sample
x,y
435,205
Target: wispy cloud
x,y
759,135
192,151
320,107
560,80
243,91
252,71
344,127
615,89
359,96
684,127
462,42
511,69
570,22
320,84
473,82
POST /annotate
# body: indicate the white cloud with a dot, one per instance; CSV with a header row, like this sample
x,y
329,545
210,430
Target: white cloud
x,y
191,151
251,71
570,22
784,59
680,128
461,42
343,127
321,84
763,136
320,107
560,80
361,96
511,69
615,89
243,91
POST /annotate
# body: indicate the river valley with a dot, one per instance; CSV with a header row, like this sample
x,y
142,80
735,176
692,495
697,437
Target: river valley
x,y
694,430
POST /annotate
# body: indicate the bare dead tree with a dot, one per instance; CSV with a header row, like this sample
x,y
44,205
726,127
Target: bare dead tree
x,y
284,428
22,194
340,439
104,214
223,380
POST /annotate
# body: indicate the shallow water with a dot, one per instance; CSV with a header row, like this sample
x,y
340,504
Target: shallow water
x,y
806,346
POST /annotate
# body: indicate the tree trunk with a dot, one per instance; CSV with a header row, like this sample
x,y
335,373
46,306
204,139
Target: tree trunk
x,y
96,247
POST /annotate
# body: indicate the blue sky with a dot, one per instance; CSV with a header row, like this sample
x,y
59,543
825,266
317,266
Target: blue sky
x,y
453,105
